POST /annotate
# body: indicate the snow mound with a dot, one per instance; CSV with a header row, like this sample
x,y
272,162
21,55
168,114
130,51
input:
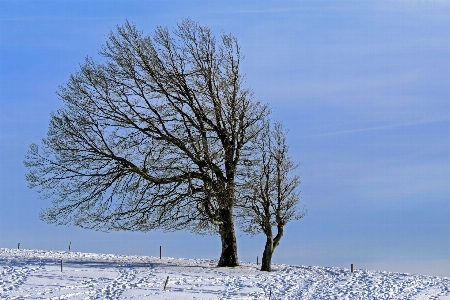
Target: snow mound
x,y
36,274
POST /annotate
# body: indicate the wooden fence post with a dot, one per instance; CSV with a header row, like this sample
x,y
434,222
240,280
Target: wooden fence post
x,y
257,261
351,267
18,246
61,265
160,252
70,243
165,284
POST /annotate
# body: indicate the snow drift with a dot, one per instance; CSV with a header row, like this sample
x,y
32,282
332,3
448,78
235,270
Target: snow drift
x,y
36,274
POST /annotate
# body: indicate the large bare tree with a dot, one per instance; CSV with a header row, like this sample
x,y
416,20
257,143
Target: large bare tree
x,y
151,137
271,197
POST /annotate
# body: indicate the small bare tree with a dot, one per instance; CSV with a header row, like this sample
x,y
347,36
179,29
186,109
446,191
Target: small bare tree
x,y
271,197
151,138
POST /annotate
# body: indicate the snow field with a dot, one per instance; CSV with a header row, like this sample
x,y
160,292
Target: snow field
x,y
36,274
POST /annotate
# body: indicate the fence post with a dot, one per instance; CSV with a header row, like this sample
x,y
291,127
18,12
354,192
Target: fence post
x,y
257,261
160,252
165,284
18,246
70,243
61,265
351,267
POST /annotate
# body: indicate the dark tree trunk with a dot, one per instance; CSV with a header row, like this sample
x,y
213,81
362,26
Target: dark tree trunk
x,y
266,262
228,257
271,244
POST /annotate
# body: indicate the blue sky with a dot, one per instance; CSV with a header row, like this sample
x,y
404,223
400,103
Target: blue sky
x,y
362,86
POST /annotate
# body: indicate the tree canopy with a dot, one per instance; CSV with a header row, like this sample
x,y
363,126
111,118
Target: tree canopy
x,y
154,135
270,196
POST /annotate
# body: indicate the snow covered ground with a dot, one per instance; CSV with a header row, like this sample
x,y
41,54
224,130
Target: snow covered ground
x,y
36,274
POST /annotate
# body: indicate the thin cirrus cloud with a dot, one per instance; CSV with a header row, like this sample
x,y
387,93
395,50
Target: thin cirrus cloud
x,y
306,90
317,88
54,18
392,126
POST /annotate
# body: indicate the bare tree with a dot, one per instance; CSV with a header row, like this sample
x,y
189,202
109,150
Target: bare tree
x,y
152,137
271,197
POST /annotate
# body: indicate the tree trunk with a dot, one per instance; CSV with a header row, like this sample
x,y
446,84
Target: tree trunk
x,y
229,257
266,262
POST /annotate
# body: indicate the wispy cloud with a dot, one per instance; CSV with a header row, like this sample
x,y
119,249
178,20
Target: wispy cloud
x,y
51,18
416,5
268,10
348,87
393,126
333,86
291,6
